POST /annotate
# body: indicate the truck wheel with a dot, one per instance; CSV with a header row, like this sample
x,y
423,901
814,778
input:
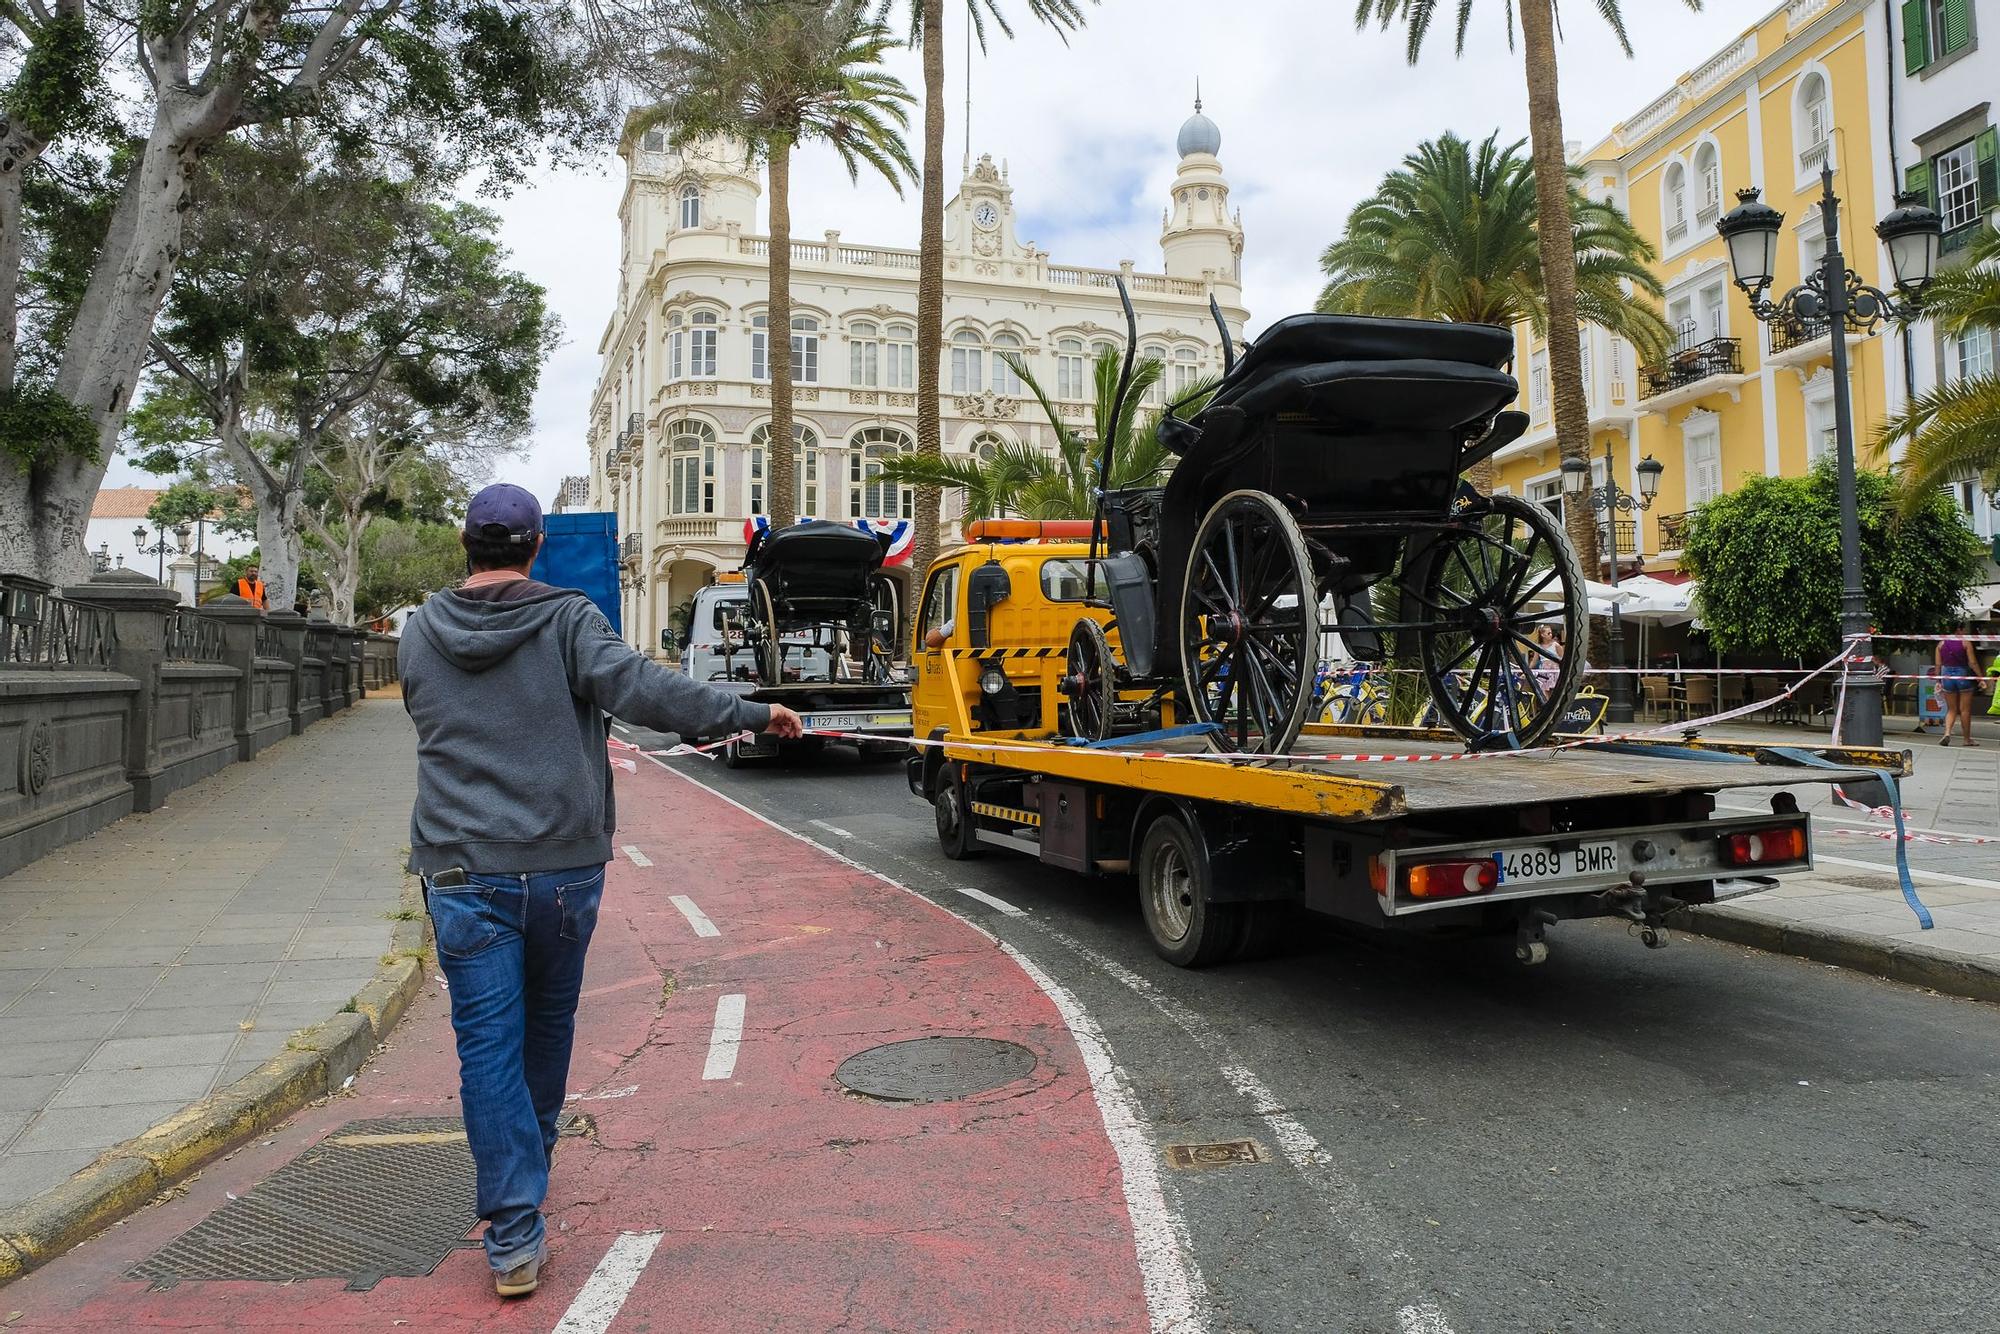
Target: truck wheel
x,y
734,758
954,820
1173,875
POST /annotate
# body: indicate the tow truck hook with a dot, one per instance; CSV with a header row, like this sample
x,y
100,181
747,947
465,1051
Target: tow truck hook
x,y
1530,946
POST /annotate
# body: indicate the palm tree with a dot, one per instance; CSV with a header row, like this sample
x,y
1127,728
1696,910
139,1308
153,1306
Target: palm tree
x,y
1451,235
927,21
1552,201
1029,482
777,77
1953,432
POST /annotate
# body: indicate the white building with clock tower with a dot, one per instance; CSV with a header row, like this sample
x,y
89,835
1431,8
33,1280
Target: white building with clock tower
x,y
678,421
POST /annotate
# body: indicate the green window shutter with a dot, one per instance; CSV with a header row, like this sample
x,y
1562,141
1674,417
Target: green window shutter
x,y
1917,181
1987,150
1916,35
1957,27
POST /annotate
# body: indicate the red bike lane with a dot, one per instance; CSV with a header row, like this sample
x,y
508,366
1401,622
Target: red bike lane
x,y
780,1199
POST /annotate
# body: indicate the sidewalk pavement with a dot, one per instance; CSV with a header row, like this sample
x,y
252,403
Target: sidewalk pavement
x,y
719,1175
1849,910
157,961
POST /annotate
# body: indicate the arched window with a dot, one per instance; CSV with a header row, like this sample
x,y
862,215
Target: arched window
x,y
899,357
986,446
691,467
1815,119
1185,372
864,354
1069,368
1005,381
690,205
1674,201
676,344
805,350
869,494
1101,349
1151,352
1708,180
702,339
966,367
805,477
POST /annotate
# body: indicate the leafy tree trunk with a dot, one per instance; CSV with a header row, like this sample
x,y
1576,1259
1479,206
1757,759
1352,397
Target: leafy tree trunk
x,y
1557,242
778,342
930,291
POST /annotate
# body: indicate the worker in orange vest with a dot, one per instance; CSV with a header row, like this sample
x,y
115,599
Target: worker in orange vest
x,y
251,588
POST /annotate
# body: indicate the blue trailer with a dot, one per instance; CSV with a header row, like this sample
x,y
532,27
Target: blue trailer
x,y
580,551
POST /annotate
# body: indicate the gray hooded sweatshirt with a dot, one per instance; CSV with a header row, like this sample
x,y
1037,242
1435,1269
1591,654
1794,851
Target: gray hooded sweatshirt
x,y
508,685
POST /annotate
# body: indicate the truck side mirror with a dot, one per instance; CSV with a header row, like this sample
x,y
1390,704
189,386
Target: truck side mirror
x,y
988,587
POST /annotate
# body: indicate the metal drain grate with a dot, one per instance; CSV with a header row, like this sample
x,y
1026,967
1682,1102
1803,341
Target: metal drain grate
x,y
373,1200
935,1069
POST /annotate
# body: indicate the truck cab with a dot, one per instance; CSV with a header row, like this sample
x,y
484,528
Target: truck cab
x,y
988,643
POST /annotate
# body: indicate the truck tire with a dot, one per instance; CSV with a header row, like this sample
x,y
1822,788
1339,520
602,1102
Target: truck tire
x,y
954,820
734,758
1173,874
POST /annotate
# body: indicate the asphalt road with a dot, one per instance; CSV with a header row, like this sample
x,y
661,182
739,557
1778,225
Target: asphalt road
x,y
1700,1138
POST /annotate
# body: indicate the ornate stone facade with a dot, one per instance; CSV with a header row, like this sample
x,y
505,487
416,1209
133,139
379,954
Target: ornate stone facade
x,y
682,400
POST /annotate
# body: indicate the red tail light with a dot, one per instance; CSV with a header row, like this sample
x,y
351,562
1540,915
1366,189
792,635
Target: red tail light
x,y
1768,845
1448,880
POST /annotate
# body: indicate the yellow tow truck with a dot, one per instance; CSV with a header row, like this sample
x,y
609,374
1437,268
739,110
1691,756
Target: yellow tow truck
x,y
1028,745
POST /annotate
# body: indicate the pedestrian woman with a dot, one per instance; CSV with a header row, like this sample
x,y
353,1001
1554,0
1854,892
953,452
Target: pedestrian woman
x,y
1548,663
1957,679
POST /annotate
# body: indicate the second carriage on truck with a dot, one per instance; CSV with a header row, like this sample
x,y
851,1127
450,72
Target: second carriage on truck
x,y
1318,490
817,587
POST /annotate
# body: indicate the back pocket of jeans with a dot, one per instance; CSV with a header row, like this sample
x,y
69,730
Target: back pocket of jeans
x,y
462,918
578,905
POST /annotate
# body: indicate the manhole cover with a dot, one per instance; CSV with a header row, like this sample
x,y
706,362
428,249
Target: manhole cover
x,y
1227,1153
935,1069
373,1200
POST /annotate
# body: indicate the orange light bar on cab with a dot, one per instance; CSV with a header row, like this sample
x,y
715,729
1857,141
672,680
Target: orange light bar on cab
x,y
1028,530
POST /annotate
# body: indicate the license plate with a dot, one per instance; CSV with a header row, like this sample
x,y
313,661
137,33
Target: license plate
x,y
854,722
1526,865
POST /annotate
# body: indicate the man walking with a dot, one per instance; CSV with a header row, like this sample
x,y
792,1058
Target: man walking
x,y
508,681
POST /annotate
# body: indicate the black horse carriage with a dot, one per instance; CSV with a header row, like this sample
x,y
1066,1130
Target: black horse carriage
x,y
1321,482
818,585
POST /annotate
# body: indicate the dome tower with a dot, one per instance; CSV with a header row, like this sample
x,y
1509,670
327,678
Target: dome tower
x,y
1198,237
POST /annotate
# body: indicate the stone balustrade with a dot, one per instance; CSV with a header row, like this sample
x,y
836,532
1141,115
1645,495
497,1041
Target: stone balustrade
x,y
113,696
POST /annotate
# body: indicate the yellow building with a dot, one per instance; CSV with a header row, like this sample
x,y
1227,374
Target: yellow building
x,y
1808,85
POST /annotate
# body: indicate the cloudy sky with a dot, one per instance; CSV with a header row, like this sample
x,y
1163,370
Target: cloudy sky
x,y
1312,114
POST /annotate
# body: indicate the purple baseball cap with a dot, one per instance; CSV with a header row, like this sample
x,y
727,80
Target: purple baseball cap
x,y
504,512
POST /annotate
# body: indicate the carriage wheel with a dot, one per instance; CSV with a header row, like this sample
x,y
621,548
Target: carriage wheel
x,y
771,652
1087,681
1482,589
1249,619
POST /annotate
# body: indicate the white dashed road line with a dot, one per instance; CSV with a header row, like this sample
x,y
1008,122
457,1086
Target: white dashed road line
x,y
605,1291
726,1038
696,917
638,858
981,896
830,828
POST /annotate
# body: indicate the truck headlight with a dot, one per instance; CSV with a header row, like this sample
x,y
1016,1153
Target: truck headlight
x,y
992,681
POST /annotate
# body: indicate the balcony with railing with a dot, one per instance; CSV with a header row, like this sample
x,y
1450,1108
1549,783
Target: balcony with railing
x,y
1673,530
1696,367
629,551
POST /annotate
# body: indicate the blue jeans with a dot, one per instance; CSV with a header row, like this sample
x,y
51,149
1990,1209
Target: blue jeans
x,y
512,949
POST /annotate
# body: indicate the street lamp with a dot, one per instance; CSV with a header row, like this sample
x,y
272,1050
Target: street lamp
x,y
1837,298
1613,500
160,547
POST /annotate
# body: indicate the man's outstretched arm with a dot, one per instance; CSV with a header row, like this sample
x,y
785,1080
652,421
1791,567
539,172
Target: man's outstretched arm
x,y
628,685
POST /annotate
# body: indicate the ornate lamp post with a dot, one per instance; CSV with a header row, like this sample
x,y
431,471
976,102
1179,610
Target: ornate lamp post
x,y
1837,298
1613,500
159,547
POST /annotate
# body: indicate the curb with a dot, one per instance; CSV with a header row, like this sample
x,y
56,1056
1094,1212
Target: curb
x,y
315,1062
1897,960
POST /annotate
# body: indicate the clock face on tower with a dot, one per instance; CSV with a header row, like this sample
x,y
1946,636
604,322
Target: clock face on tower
x,y
986,215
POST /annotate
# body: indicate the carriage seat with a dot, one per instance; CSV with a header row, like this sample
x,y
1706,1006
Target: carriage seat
x,y
1354,397
815,559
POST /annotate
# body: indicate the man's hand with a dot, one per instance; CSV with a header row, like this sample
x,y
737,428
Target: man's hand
x,y
784,724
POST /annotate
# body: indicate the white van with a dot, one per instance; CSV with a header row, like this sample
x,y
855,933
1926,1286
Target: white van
x,y
720,656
